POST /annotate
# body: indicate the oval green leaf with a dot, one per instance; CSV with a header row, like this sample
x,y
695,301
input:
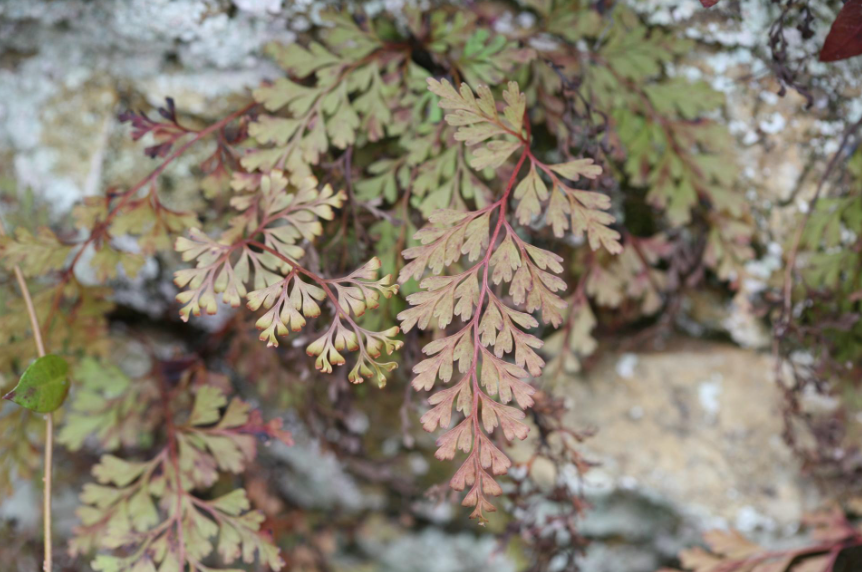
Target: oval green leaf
x,y
44,385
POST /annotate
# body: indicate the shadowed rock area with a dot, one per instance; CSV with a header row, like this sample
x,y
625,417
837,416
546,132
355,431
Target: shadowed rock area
x,y
689,439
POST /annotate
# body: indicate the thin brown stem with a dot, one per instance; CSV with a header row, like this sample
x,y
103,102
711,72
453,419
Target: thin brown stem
x,y
49,465
173,456
49,419
472,373
28,302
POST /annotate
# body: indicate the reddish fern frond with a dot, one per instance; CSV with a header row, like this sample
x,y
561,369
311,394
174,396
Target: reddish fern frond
x,y
144,515
257,259
494,326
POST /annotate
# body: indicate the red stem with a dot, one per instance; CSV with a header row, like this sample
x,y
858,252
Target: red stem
x,y
175,463
485,290
102,226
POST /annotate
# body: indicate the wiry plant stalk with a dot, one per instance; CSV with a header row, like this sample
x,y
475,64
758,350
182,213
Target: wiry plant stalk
x,y
49,418
99,230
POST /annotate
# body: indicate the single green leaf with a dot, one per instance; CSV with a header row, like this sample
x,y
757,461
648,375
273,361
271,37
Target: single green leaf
x,y
208,401
113,469
44,385
234,503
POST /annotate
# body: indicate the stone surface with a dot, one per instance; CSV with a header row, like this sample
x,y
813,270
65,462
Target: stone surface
x,y
688,439
67,68
314,479
433,550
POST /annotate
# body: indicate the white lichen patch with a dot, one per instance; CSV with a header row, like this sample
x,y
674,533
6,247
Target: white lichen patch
x,y
54,115
709,394
626,365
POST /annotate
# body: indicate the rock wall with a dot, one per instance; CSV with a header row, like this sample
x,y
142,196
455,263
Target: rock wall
x,y
689,436
67,67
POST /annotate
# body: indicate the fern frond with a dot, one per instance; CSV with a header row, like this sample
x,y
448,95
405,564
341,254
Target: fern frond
x,y
257,260
495,328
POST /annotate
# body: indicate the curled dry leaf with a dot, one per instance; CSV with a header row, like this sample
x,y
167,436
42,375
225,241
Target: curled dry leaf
x,y
845,36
